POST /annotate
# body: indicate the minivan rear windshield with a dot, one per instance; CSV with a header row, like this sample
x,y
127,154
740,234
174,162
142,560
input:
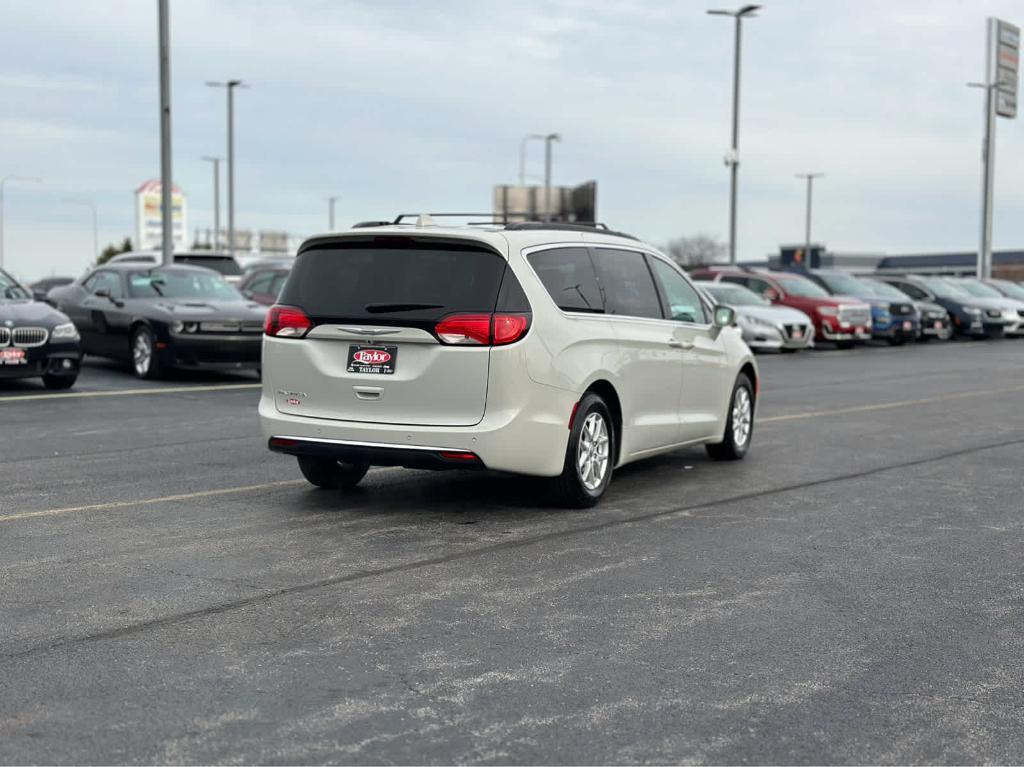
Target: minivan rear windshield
x,y
402,283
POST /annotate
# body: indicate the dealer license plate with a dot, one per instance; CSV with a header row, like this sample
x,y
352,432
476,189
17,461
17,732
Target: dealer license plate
x,y
12,357
374,360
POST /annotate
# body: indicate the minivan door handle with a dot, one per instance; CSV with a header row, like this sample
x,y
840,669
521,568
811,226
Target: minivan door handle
x,y
675,343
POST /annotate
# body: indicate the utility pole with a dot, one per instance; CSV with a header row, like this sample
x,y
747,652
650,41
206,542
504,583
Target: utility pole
x,y
733,158
1002,75
807,227
166,176
548,140
330,206
3,181
230,86
216,200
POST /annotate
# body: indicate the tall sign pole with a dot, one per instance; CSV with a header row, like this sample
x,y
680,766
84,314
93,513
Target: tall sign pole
x,y
166,177
1002,74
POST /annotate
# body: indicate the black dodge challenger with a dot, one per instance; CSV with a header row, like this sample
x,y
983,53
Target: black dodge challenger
x,y
159,317
36,340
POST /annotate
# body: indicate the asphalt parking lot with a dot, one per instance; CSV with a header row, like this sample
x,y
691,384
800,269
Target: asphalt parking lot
x,y
852,592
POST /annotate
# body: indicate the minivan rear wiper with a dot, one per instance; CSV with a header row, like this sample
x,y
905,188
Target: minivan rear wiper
x,y
380,308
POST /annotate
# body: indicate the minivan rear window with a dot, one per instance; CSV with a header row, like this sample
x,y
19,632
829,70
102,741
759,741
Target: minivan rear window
x,y
405,283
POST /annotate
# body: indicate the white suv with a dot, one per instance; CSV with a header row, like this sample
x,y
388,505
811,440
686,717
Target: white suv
x,y
554,350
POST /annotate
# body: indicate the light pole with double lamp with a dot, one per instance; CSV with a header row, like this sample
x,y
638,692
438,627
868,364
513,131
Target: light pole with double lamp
x,y
3,181
230,86
807,227
733,158
216,200
522,154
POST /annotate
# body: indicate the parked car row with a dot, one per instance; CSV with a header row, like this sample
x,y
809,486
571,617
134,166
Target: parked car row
x,y
840,308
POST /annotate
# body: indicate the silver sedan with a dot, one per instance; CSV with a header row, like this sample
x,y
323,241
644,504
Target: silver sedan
x,y
765,326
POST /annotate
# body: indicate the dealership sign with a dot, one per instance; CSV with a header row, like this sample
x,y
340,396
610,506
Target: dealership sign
x,y
148,220
1006,65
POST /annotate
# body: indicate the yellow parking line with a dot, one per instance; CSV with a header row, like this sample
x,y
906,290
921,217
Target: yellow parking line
x,y
129,392
151,501
888,405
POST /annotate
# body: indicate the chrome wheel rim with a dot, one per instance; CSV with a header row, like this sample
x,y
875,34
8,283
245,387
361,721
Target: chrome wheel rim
x,y
142,353
742,417
593,450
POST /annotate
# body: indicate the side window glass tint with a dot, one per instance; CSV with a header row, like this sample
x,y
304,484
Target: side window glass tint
x,y
683,303
511,297
568,275
627,282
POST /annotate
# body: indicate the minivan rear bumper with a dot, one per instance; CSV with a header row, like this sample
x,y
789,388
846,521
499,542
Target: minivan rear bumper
x,y
346,451
528,436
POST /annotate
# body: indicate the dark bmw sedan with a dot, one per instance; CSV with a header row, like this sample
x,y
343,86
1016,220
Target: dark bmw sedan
x,y
159,317
36,340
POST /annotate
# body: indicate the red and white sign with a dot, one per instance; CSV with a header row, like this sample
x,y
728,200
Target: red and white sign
x,y
371,357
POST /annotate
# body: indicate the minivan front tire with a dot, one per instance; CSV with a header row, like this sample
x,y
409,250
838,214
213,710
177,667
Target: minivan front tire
x,y
329,474
589,456
739,426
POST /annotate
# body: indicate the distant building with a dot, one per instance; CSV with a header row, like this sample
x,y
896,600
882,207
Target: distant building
x,y
1006,264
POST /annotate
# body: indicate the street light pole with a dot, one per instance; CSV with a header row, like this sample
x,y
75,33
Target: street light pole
x,y
95,227
988,158
330,204
548,140
3,181
216,200
166,175
733,159
230,86
807,227
522,154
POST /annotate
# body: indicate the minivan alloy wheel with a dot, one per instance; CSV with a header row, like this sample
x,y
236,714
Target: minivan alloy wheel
x,y
592,455
742,416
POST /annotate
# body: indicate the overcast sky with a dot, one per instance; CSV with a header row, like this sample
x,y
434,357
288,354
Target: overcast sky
x,y
402,106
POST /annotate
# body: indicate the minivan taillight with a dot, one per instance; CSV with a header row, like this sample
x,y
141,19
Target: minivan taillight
x,y
286,322
482,329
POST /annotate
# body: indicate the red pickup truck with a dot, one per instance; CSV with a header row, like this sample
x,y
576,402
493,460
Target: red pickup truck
x,y
839,319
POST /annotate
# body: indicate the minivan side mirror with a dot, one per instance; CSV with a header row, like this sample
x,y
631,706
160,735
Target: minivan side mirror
x,y
724,316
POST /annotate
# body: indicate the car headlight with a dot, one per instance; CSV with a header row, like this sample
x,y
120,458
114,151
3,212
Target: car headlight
x,y
828,311
66,331
747,319
972,310
184,327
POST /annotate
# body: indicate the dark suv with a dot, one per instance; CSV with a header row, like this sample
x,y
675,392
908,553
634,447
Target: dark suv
x,y
968,318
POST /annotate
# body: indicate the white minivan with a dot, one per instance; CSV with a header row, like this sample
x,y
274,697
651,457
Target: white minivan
x,y
553,350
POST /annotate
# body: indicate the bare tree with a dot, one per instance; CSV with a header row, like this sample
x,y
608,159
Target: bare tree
x,y
699,250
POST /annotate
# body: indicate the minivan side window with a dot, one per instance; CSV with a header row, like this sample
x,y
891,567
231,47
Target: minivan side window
x,y
568,274
682,302
628,285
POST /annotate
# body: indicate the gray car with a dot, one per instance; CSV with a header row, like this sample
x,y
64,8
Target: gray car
x,y
765,326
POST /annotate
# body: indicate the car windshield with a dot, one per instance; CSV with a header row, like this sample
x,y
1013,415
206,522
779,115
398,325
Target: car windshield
x,y
801,286
1011,289
885,290
183,284
9,288
978,289
944,289
846,284
223,264
733,295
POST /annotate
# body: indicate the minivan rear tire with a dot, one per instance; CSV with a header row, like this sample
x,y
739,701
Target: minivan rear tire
x,y
328,474
592,419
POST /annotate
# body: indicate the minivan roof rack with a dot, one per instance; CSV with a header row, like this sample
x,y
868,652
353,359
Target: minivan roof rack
x,y
579,226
